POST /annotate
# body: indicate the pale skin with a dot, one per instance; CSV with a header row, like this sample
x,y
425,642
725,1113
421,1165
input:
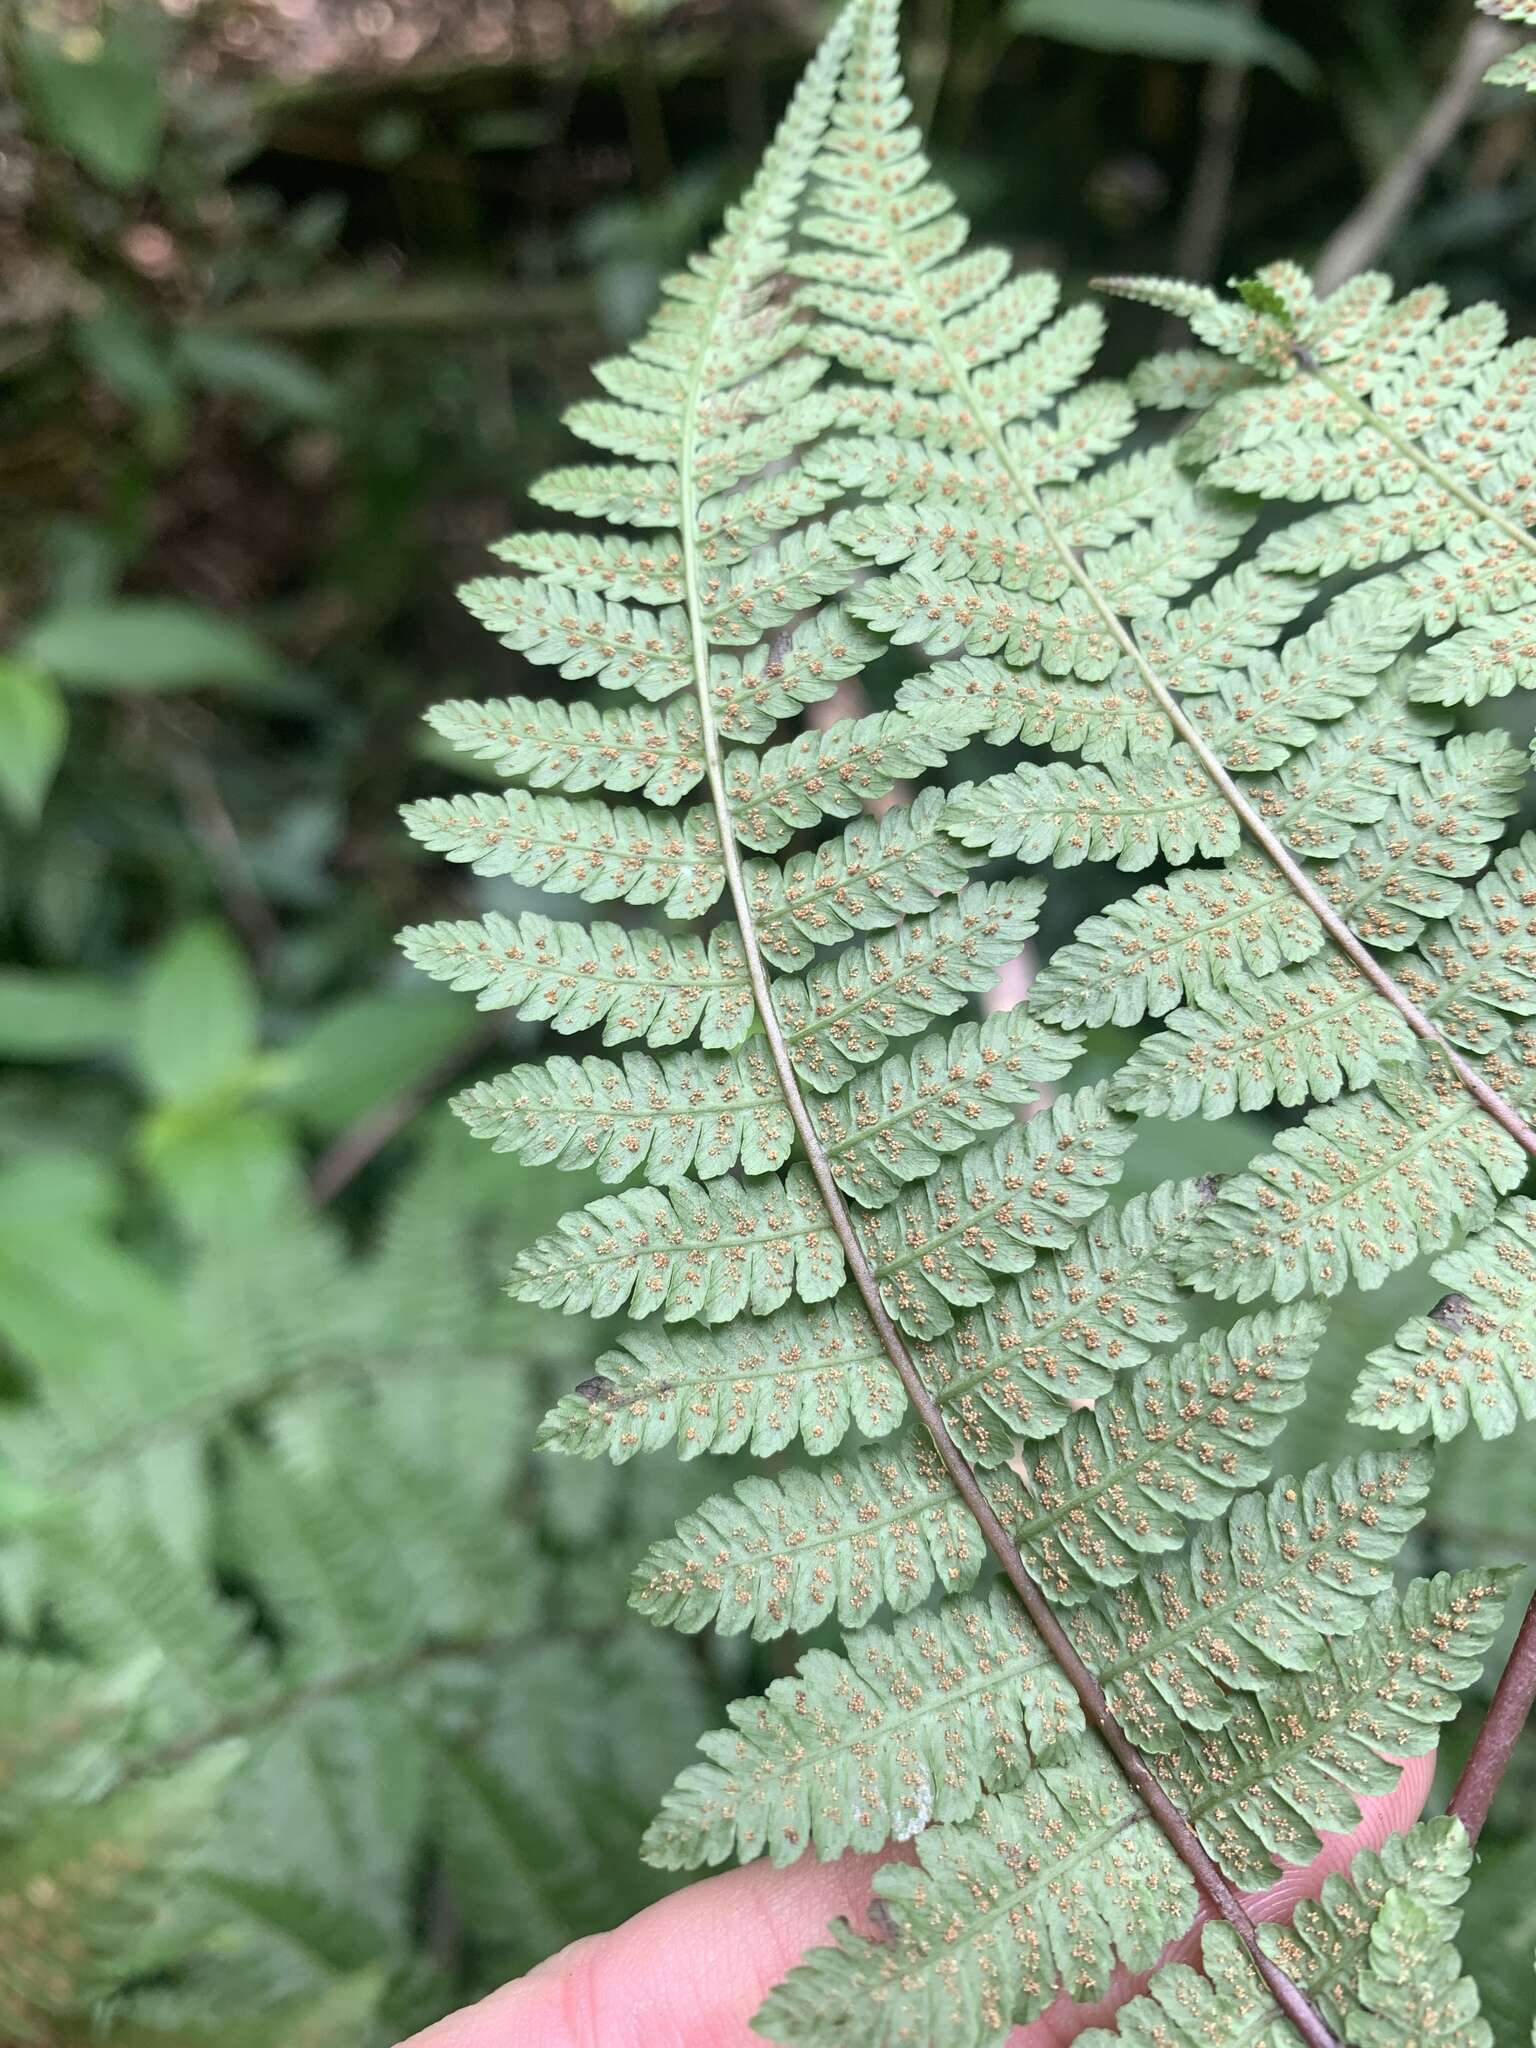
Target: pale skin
x,y
690,1972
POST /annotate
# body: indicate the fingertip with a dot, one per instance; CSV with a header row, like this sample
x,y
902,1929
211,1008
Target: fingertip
x,y
688,1972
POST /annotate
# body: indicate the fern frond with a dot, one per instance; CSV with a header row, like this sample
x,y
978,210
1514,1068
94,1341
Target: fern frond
x,y
1408,1889
1357,1192
913,1726
1290,1763
940,1244
871,1747
875,1528
596,851
703,1115
845,1012
1119,1482
826,774
1412,1987
1301,1034
983,1930
1472,1359
578,747
986,1929
1201,932
1399,874
691,1113
884,1132
756,1384
1259,1592
1132,815
987,699
1012,1367
878,872
702,1252
1160,1450
784,529
1018,1365
659,986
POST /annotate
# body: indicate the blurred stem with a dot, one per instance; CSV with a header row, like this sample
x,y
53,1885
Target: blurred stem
x,y
930,59
643,115
342,1161
1496,1739
213,832
1357,243
1202,229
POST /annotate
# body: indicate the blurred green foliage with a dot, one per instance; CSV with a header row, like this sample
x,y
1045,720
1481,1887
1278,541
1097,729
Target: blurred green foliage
x,y
279,346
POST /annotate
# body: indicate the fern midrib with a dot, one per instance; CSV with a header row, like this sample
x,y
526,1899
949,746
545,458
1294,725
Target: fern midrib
x,y
1487,1097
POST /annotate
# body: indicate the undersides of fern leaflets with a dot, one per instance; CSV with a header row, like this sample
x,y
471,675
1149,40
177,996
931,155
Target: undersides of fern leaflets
x,y
918,1254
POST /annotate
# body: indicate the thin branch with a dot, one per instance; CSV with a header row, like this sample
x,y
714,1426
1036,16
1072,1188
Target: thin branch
x,y
268,1709
1497,1737
342,1161
1360,239
1203,226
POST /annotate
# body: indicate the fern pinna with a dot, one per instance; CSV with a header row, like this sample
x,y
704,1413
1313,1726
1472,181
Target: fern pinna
x,y
863,1217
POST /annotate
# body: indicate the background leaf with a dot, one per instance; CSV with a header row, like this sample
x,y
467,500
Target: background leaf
x,y
34,725
149,644
1190,31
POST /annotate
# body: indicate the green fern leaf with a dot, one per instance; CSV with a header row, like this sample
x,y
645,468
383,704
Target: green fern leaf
x,y
592,850
1412,1987
637,984
757,1384
1130,815
986,1930
699,1114
874,1528
1257,1595
1329,1952
1304,1033
1472,1359
858,1750
983,1930
702,1115
1201,932
1018,1365
1358,1191
1010,1368
845,1012
893,1128
878,872
1164,1448
700,1252
578,747
827,774
939,1245
970,696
